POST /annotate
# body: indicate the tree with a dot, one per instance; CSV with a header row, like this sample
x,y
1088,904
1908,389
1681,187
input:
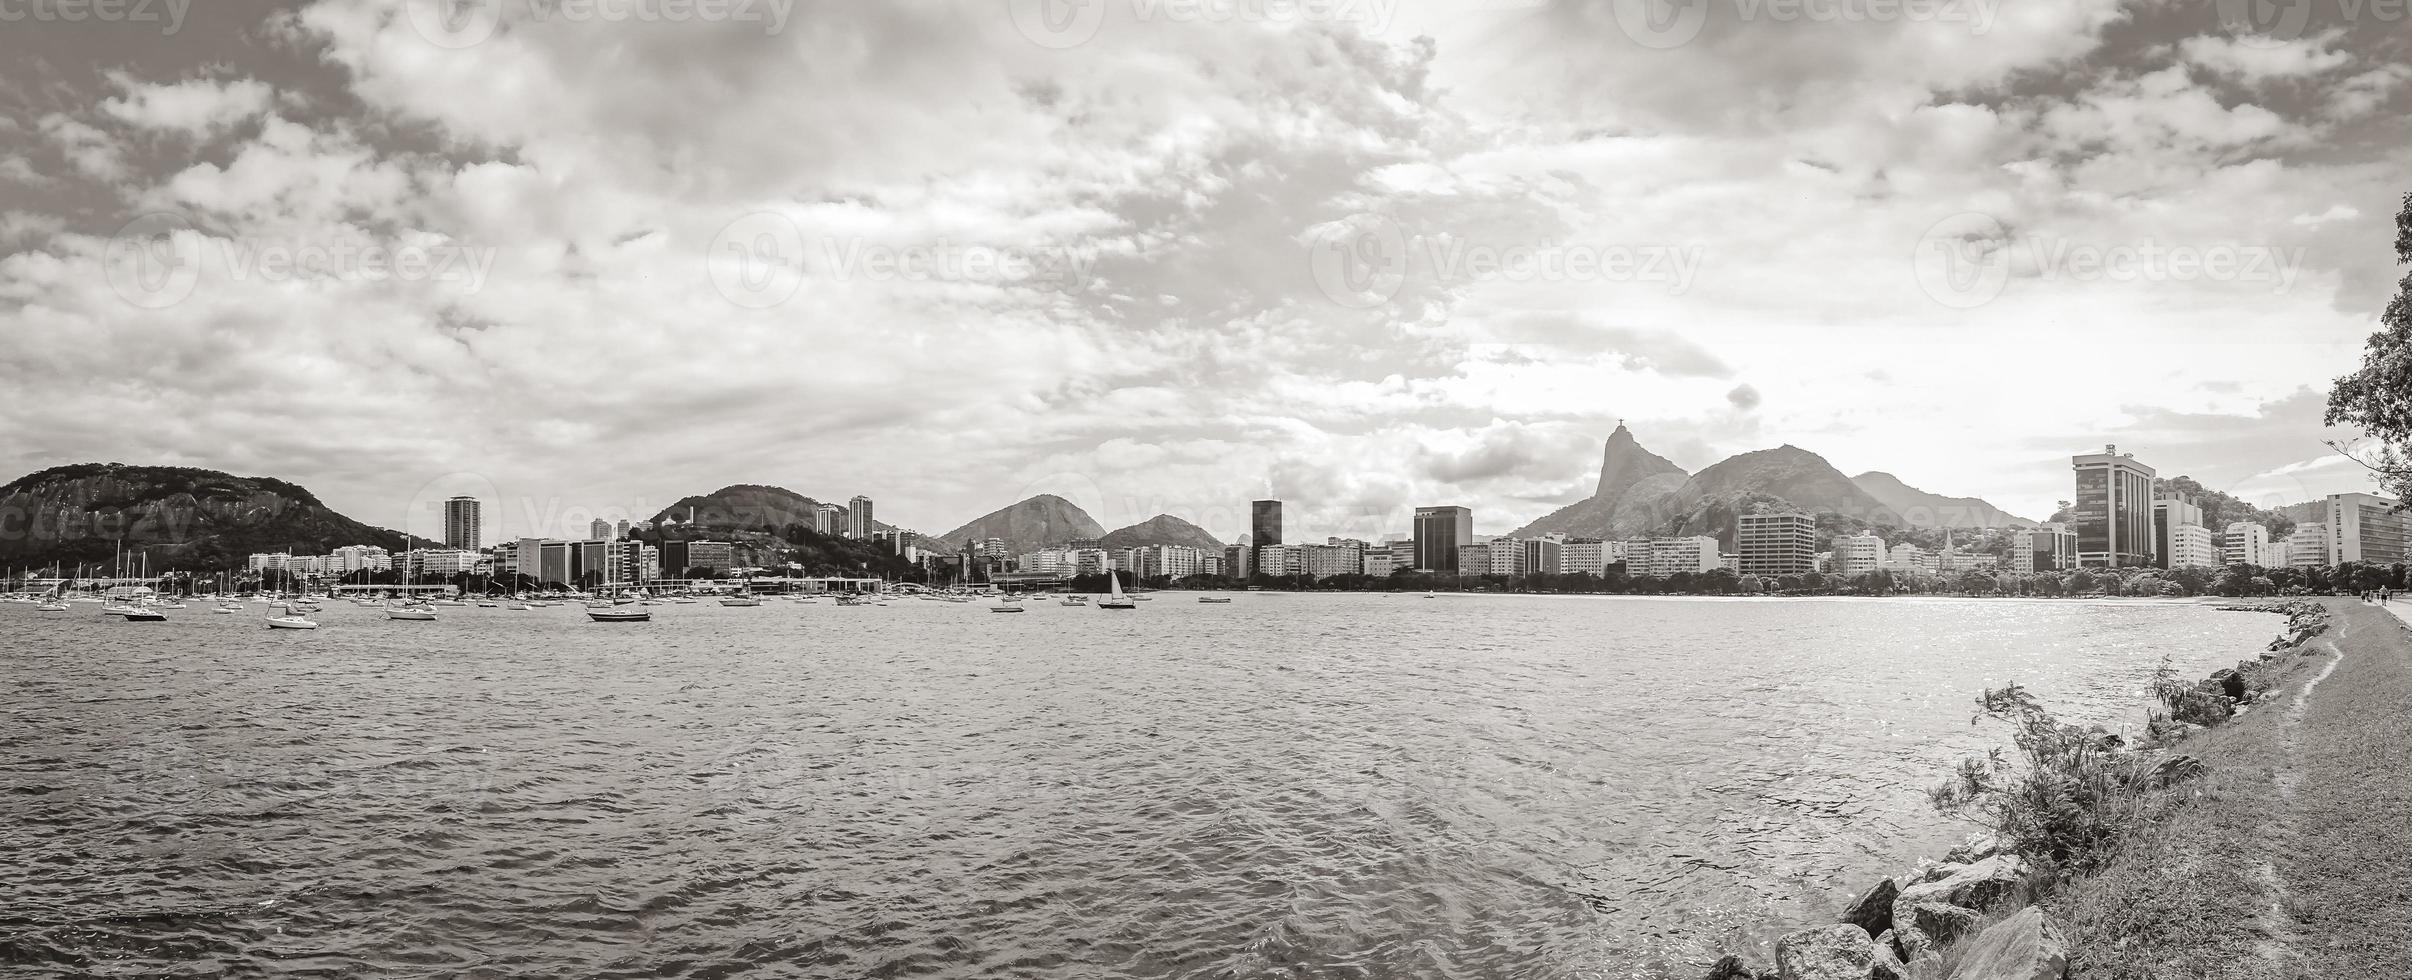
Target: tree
x,y
2377,398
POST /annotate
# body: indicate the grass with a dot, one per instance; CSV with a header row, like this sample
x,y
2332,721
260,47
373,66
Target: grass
x,y
2293,860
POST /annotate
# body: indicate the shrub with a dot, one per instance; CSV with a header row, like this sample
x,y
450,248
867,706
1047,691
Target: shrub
x,y
2195,703
2065,799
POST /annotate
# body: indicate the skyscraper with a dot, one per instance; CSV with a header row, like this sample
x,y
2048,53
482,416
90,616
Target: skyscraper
x,y
1264,522
2113,510
2366,527
600,530
1439,532
1776,544
858,517
463,525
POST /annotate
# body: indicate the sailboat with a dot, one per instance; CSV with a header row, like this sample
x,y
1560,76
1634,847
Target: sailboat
x,y
292,620
1115,600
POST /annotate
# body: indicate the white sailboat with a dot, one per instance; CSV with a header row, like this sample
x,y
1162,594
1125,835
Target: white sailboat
x,y
1115,600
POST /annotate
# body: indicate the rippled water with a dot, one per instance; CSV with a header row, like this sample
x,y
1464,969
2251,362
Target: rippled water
x,y
1346,786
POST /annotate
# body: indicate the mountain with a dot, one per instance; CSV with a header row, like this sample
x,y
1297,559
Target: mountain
x,y
1783,478
1027,526
1161,529
1626,470
1922,509
184,518
744,505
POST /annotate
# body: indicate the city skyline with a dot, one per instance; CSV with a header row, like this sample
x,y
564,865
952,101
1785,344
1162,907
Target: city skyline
x,y
1156,310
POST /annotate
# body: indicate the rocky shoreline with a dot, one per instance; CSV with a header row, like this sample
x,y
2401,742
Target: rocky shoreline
x,y
1974,913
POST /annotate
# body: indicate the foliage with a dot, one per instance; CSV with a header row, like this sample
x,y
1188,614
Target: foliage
x,y
2062,802
2377,397
2192,702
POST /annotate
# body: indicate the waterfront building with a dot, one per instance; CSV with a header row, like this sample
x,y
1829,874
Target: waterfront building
x,y
1907,557
438,562
1239,561
1473,559
359,557
1953,560
1545,555
2113,510
1326,560
1583,556
635,562
1730,562
677,557
1439,531
2245,543
553,563
1377,563
2366,528
1210,563
2308,546
2178,536
2043,548
1280,559
858,517
1264,523
1858,553
1693,555
268,562
1636,555
1776,544
464,523
1505,557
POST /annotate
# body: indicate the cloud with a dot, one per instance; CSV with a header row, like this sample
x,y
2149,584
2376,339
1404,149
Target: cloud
x,y
195,106
1743,397
2263,59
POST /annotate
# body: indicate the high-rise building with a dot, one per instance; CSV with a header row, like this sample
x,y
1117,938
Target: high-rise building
x,y
1264,522
620,530
2178,536
1776,544
1545,555
1438,533
2366,527
2308,546
1857,553
1473,559
2245,543
1585,556
600,530
824,518
1506,557
1239,561
1326,560
2113,510
1672,556
2043,548
858,517
464,524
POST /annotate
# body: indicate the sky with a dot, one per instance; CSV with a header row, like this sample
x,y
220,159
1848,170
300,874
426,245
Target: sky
x,y
582,258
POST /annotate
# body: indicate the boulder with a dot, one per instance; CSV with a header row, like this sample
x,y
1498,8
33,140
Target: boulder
x,y
1929,869
2231,684
1837,952
1981,846
1926,926
2026,946
1887,965
1977,886
1873,911
1731,968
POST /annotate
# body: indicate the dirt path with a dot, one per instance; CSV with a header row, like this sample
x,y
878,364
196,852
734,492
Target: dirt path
x,y
2293,859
